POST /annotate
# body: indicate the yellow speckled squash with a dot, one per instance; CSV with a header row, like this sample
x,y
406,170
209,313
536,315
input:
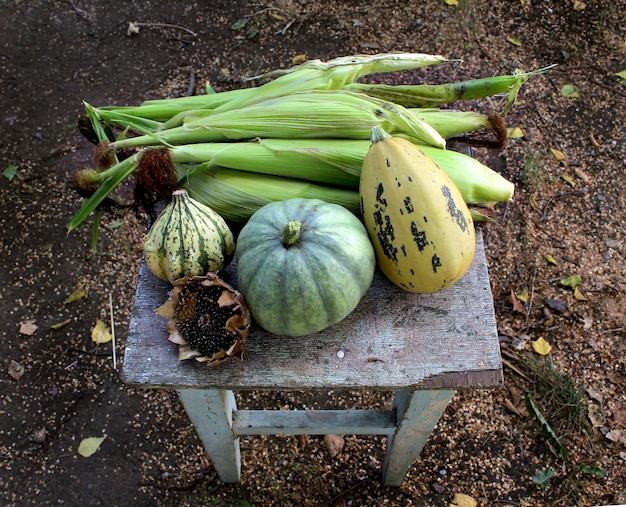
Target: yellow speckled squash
x,y
417,220
187,239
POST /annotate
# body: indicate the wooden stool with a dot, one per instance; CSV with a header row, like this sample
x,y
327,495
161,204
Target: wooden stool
x,y
421,347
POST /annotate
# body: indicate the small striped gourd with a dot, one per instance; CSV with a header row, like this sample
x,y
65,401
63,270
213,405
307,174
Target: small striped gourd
x,y
187,239
419,224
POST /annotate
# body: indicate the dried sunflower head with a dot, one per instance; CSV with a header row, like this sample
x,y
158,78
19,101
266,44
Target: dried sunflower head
x,y
208,319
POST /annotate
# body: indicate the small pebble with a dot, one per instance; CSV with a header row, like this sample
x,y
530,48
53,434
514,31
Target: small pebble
x,y
340,354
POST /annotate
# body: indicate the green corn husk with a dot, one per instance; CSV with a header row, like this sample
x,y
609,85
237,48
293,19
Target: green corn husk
x,y
450,122
331,161
331,75
305,115
311,75
428,95
236,195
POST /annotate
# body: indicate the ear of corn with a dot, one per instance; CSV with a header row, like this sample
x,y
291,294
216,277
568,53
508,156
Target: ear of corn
x,y
306,115
236,195
331,75
335,162
428,95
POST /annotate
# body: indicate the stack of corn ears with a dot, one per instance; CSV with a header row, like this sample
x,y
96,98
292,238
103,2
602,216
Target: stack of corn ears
x,y
304,133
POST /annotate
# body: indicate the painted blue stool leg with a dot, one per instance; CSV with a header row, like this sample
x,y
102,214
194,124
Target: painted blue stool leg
x,y
417,414
210,411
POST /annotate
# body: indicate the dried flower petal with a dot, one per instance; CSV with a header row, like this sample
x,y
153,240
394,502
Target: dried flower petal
x,y
208,319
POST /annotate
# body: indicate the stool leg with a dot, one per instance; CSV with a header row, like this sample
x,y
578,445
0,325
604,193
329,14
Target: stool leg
x,y
210,411
417,413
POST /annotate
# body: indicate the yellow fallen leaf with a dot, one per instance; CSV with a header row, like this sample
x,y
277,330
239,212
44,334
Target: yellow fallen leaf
x,y
452,2
580,294
514,133
101,333
299,58
461,500
551,260
514,41
89,446
568,180
523,296
557,154
77,295
540,346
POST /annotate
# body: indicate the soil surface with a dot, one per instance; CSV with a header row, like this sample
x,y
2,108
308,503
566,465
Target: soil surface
x,y
567,219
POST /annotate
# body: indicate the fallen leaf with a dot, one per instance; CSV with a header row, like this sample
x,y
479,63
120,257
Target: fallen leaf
x,y
542,479
461,500
582,175
452,2
300,58
594,395
596,416
59,325
523,296
334,444
514,133
16,370
540,346
568,180
10,172
621,74
101,333
89,446
518,307
556,305
77,295
614,435
579,6
28,327
557,154
580,295
572,281
570,91
514,41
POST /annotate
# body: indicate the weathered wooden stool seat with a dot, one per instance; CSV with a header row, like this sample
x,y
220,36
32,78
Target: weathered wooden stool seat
x,y
422,347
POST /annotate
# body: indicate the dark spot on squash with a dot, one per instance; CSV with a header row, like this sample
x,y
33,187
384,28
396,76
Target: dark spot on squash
x,y
453,209
408,205
380,190
386,235
387,162
419,237
436,262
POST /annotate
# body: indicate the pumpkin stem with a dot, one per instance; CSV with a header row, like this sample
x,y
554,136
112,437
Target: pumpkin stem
x,y
377,134
291,234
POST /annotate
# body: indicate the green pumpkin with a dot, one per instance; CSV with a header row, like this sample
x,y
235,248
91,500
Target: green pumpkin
x,y
303,265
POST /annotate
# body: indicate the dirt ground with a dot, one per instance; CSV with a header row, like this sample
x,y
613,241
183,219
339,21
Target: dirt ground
x,y
567,219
